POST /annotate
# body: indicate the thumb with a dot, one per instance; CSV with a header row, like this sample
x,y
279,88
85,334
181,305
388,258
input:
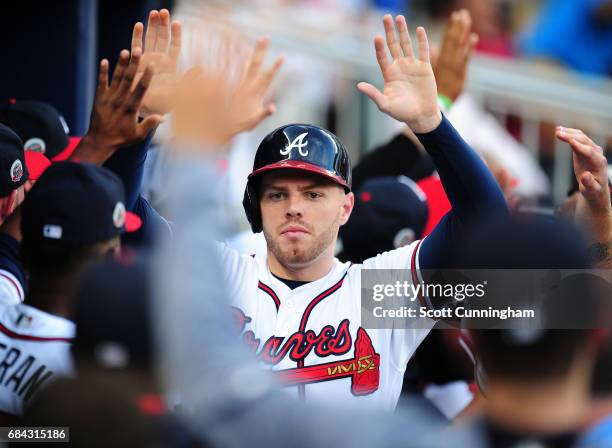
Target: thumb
x,y
149,123
373,93
589,184
261,116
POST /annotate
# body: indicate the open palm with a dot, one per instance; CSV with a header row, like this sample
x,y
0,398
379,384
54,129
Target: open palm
x,y
409,94
162,48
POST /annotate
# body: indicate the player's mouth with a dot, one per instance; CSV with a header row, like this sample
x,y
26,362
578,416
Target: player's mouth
x,y
294,231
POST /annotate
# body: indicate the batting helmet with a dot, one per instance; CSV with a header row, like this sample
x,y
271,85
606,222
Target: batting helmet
x,y
300,147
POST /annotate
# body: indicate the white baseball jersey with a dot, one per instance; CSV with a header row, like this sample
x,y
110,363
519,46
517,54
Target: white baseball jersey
x,y
11,290
311,336
34,348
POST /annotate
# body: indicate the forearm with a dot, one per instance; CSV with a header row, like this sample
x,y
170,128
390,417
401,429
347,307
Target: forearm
x,y
128,163
596,222
470,187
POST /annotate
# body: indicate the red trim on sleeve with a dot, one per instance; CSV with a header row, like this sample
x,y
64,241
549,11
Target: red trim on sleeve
x,y
27,337
15,285
413,271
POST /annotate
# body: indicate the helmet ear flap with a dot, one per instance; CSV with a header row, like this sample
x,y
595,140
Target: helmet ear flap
x,y
250,202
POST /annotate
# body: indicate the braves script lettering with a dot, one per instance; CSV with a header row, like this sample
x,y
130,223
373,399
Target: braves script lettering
x,y
329,341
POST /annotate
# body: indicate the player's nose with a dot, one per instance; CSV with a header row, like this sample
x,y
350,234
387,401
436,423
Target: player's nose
x,y
295,207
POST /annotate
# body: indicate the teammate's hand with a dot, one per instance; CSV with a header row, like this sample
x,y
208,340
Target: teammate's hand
x,y
409,93
199,118
590,167
162,47
451,66
250,95
114,118
593,211
207,109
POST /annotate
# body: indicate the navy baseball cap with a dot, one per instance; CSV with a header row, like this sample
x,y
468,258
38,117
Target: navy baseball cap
x,y
13,170
39,125
76,203
390,212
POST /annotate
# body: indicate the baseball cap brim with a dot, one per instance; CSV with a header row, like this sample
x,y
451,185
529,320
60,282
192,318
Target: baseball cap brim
x,y
303,166
67,152
37,163
132,222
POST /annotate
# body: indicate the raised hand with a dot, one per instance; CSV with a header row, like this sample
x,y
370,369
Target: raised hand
x,y
250,95
162,47
409,93
592,210
590,166
208,109
114,118
451,66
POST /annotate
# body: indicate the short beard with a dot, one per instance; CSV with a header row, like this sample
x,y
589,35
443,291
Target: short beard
x,y
294,257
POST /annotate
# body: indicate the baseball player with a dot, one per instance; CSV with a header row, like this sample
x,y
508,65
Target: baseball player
x,y
61,232
298,308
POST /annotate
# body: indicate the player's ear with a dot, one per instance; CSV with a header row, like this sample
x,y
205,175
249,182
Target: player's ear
x,y
347,207
9,203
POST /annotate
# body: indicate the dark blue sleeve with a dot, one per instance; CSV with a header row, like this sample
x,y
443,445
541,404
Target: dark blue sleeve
x,y
154,227
10,260
128,163
471,190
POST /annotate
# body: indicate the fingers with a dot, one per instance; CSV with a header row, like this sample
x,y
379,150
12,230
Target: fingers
x,y
148,124
270,74
163,31
176,31
134,100
257,57
452,32
458,42
464,20
381,54
392,43
103,76
122,63
128,76
405,42
588,184
469,48
423,44
151,36
137,36
262,115
565,134
373,93
581,149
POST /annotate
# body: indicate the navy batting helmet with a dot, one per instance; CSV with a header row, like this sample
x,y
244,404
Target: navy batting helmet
x,y
300,147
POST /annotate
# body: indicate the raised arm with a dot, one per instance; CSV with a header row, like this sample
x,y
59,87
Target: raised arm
x,y
410,96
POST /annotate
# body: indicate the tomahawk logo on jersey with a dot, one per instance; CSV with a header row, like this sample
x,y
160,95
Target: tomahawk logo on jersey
x,y
34,348
312,337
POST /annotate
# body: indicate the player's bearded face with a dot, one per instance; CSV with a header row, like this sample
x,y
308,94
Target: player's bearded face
x,y
301,215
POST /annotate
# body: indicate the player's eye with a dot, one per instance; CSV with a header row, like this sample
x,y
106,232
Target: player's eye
x,y
313,195
276,196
